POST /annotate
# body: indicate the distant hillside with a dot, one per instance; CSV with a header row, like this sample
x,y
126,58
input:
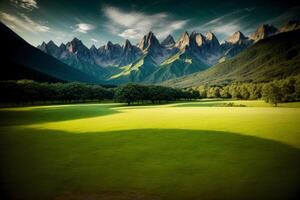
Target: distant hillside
x,y
275,57
20,60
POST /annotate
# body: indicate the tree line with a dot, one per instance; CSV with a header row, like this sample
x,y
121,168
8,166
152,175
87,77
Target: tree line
x,y
131,93
274,92
31,91
24,91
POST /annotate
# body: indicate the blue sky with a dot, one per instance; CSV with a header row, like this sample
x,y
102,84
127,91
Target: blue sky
x,y
99,21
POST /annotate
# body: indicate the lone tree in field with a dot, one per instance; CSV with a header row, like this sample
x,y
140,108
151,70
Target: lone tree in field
x,y
271,93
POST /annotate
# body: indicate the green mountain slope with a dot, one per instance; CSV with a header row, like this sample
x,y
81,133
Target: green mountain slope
x,y
20,60
145,70
272,58
135,72
180,64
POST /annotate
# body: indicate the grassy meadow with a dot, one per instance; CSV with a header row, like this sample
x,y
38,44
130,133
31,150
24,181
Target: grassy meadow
x,y
187,150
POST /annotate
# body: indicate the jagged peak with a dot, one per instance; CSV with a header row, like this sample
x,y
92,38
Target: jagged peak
x,y
75,39
197,38
148,41
263,31
194,33
51,43
236,37
62,45
168,41
109,43
183,41
290,25
185,34
169,37
150,34
127,42
266,28
93,47
210,36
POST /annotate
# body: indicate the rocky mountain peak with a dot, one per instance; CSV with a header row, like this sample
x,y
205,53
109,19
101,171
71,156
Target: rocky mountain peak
x,y
93,48
210,36
62,46
148,42
263,31
76,40
290,26
212,40
43,47
168,41
109,45
236,37
76,45
127,44
51,43
197,39
183,41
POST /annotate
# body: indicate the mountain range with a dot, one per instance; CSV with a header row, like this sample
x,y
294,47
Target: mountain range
x,y
152,61
275,57
192,59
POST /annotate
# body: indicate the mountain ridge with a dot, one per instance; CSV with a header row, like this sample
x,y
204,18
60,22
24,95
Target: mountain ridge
x,y
20,60
272,58
119,63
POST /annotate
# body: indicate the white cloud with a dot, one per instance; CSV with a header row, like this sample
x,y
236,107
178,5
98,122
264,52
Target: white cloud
x,y
133,25
23,22
224,26
84,28
226,29
26,4
131,34
94,40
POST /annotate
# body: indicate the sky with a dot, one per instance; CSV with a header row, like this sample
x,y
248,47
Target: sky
x,y
99,21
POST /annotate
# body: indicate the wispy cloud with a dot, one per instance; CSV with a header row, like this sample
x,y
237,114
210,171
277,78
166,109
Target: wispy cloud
x,y
84,28
133,25
94,40
25,4
227,24
23,22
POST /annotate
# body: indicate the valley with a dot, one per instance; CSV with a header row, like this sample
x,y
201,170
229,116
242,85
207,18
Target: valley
x,y
184,150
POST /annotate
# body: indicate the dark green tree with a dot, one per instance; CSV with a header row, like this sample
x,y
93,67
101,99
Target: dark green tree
x,y
271,93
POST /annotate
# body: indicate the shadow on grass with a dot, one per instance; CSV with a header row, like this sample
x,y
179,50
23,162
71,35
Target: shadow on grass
x,y
54,113
146,164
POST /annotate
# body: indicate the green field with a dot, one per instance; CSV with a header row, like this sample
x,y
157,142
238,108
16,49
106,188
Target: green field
x,y
188,150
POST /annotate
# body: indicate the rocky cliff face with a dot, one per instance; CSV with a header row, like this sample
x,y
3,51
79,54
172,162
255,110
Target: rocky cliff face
x,y
290,26
168,42
235,44
263,32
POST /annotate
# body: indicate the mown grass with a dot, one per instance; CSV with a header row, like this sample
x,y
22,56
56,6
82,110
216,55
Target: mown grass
x,y
108,151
